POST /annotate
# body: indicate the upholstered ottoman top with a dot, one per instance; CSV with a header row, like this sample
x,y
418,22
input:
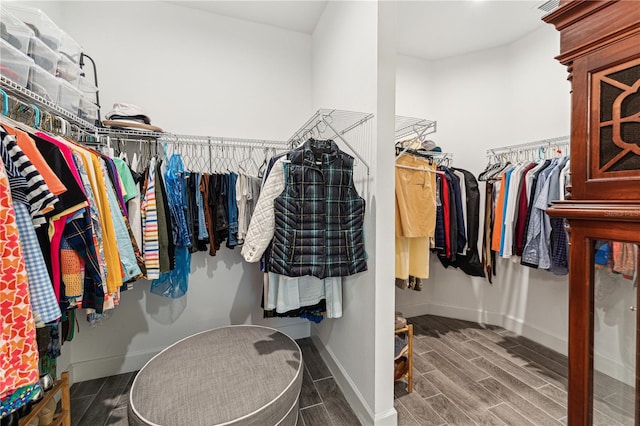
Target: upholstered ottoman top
x,y
236,375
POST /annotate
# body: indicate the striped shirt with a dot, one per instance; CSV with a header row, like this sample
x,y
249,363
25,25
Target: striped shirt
x,y
40,199
150,226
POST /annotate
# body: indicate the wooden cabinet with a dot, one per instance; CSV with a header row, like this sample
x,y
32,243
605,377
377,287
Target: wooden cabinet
x,y
60,418
600,45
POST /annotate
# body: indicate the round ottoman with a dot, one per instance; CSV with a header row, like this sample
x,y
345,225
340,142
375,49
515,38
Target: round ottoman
x,y
241,375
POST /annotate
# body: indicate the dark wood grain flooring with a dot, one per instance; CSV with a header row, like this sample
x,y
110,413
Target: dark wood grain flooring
x,y
464,374
470,374
104,401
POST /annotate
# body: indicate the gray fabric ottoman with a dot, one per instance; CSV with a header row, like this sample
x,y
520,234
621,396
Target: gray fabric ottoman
x,y
237,375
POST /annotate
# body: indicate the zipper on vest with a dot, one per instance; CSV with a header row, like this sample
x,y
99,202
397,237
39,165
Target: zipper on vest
x,y
347,245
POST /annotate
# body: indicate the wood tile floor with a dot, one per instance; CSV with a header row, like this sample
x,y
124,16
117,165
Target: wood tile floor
x,y
104,401
467,374
464,374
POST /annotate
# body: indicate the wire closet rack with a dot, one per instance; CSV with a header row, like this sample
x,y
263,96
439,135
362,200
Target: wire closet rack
x,y
543,146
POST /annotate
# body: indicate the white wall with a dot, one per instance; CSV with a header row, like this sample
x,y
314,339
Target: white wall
x,y
353,70
503,96
195,73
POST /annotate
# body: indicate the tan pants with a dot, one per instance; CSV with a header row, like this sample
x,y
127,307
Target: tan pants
x,y
412,257
415,198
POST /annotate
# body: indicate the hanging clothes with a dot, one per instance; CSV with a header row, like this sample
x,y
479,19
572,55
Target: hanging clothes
x,y
415,203
329,242
19,354
174,283
516,223
304,296
469,259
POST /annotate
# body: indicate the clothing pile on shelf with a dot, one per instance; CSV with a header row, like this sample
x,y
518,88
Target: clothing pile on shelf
x,y
618,258
516,224
431,215
308,230
128,116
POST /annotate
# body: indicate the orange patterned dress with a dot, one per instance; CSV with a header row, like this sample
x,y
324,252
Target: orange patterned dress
x,y
18,348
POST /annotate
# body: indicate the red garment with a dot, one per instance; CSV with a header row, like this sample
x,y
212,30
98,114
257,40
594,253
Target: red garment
x,y
523,206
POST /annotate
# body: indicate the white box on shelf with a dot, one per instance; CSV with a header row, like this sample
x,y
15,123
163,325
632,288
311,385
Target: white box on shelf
x,y
87,88
88,110
68,97
43,83
14,31
68,70
70,48
14,64
42,55
45,29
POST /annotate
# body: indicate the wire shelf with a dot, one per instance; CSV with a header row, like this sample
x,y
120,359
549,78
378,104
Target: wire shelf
x,y
26,95
335,124
342,121
528,146
410,126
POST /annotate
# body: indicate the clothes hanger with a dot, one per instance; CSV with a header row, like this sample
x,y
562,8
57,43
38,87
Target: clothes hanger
x,y
263,166
5,102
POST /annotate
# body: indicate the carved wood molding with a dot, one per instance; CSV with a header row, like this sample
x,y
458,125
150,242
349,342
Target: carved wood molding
x,y
573,16
596,210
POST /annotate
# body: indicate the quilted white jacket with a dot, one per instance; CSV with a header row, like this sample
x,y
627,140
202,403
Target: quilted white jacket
x,y
263,221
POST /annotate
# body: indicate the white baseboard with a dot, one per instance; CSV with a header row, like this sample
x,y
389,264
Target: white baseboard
x,y
615,369
388,418
134,361
350,391
109,366
518,326
476,315
521,327
299,330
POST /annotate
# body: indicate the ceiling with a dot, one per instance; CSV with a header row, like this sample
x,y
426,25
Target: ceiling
x,y
438,29
301,16
426,29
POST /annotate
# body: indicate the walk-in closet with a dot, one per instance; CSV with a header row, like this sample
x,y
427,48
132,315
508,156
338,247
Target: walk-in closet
x,y
319,213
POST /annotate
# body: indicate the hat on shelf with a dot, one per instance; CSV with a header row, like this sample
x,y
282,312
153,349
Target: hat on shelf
x,y
430,145
129,116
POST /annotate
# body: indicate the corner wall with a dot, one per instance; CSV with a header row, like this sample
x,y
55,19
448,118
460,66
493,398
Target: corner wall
x,y
353,68
508,95
504,96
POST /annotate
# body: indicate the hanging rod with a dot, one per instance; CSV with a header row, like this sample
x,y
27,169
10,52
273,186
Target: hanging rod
x,y
562,140
222,141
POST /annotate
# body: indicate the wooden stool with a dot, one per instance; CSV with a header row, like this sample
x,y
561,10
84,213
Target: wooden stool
x,y
236,375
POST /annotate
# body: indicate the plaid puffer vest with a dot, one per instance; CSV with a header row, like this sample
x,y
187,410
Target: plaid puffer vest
x,y
319,217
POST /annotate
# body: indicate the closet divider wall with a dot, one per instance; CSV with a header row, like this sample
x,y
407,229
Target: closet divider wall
x,y
212,92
